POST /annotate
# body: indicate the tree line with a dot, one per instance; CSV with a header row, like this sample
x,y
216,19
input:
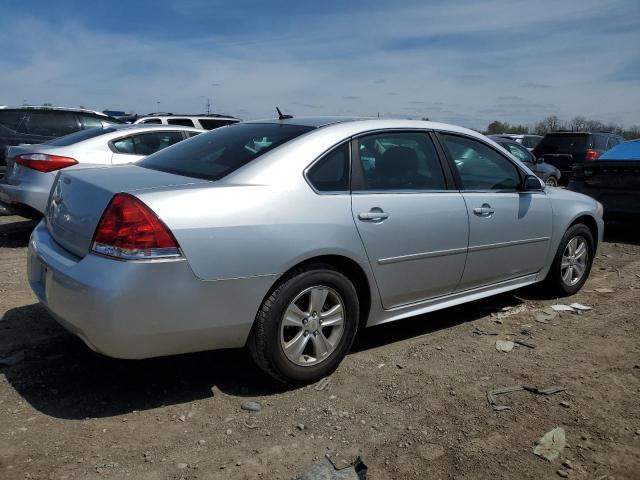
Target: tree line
x,y
553,124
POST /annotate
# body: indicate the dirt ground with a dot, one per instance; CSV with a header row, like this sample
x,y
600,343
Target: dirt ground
x,y
411,398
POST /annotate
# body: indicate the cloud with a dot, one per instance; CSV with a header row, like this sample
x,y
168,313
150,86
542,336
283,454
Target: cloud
x,y
307,55
534,85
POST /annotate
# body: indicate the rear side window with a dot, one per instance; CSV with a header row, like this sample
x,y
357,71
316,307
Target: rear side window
x,y
210,124
400,161
152,120
479,166
185,122
51,124
147,143
11,118
217,153
331,172
79,136
600,142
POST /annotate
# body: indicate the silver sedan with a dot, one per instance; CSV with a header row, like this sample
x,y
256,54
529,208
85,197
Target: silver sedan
x,y
31,169
288,236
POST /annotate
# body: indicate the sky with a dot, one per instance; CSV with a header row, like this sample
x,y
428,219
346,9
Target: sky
x,y
465,62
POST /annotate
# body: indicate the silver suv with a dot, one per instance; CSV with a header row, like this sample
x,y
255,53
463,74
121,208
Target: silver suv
x,y
206,122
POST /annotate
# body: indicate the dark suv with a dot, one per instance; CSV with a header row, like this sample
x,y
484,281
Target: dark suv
x,y
565,149
40,124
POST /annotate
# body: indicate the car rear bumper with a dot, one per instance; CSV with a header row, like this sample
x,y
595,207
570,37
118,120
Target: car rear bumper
x,y
34,196
616,202
141,309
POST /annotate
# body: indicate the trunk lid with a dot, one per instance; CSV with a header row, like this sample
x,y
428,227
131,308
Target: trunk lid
x,y
80,195
622,175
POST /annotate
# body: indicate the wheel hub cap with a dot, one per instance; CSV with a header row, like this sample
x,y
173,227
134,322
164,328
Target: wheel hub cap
x,y
574,260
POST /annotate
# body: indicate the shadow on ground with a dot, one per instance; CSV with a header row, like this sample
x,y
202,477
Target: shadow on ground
x,y
61,377
16,234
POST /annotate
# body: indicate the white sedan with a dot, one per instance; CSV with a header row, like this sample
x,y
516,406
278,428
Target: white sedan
x,y
31,169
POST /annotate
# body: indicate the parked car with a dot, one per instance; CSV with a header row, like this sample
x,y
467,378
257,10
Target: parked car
x,y
288,236
547,173
30,124
613,179
528,141
206,122
32,169
566,149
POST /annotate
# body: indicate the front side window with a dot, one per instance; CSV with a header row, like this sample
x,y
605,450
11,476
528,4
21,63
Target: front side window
x,y
400,161
479,166
214,154
147,143
185,122
51,124
331,172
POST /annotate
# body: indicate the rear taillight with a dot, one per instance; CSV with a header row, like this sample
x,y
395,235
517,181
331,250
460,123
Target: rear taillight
x,y
129,230
43,162
591,155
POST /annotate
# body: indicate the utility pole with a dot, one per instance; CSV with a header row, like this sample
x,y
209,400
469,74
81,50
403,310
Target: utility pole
x,y
208,106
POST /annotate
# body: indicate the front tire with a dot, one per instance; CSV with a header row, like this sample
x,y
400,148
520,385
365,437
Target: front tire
x,y
306,326
573,261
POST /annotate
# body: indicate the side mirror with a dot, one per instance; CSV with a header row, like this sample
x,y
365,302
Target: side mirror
x,y
539,160
532,184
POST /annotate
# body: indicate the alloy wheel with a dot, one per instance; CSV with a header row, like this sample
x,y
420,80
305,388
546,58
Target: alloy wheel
x,y
551,182
574,260
312,325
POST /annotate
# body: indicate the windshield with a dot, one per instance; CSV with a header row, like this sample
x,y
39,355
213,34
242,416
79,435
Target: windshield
x,y
221,151
79,136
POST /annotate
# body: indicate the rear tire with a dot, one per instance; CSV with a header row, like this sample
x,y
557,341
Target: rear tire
x,y
572,263
306,326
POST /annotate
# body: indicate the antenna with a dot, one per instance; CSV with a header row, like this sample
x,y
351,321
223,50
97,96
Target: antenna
x,y
281,116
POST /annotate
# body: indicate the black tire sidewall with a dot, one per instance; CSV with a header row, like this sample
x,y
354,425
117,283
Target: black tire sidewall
x,y
556,273
289,290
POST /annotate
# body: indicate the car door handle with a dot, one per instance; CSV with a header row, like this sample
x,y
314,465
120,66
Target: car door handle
x,y
484,211
373,215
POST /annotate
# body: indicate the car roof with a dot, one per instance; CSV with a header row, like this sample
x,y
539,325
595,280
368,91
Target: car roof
x,y
48,108
315,122
623,151
152,126
211,116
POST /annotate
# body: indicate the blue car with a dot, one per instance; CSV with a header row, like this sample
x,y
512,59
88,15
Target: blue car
x,y
613,180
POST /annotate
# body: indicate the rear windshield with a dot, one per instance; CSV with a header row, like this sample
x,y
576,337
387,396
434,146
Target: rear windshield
x,y
563,143
79,136
219,152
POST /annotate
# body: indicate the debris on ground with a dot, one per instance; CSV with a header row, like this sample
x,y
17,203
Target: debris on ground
x,y
508,311
251,406
562,308
525,344
551,445
604,290
327,470
12,359
504,345
479,331
491,394
563,473
579,306
322,384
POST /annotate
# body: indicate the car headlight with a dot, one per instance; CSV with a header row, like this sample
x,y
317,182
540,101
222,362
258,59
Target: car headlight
x,y
599,209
